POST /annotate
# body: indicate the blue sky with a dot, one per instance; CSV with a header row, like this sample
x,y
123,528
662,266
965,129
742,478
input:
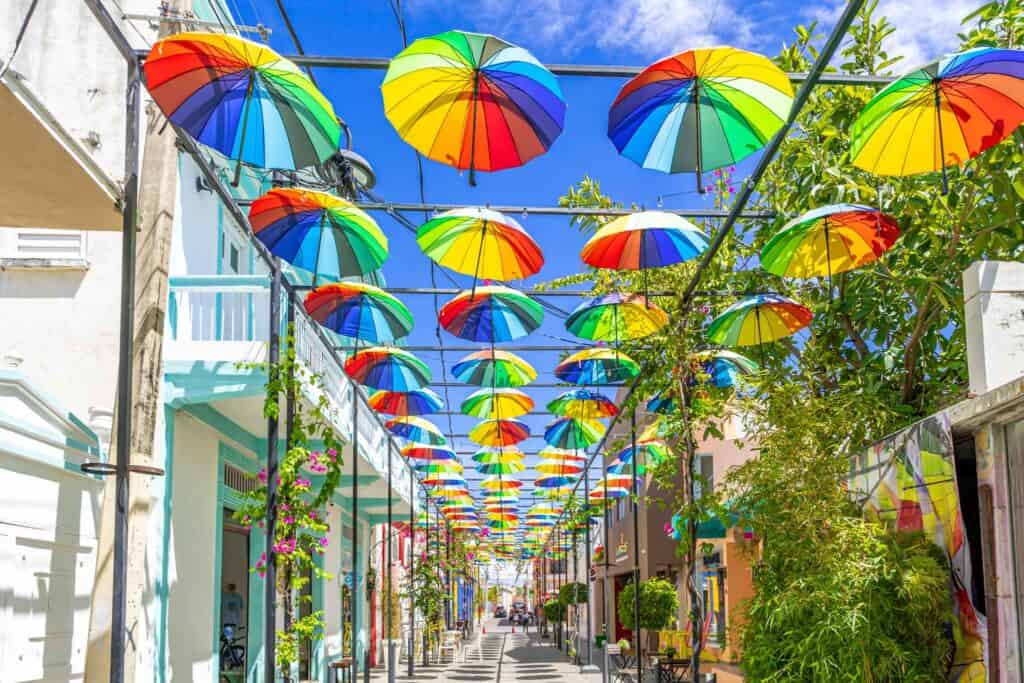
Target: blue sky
x,y
583,31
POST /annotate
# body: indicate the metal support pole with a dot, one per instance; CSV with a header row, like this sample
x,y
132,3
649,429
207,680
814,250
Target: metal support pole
x,y
354,616
412,568
270,587
606,598
387,569
589,560
636,550
129,224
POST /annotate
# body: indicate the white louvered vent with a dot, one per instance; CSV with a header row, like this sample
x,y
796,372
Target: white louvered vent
x,y
239,480
40,247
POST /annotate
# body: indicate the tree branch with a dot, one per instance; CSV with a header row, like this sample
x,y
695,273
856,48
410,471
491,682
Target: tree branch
x,y
913,347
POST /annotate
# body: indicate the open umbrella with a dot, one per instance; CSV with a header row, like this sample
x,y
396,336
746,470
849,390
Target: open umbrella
x,y
551,454
419,451
500,484
597,366
649,452
416,429
360,311
494,368
830,239
724,367
700,109
616,317
498,455
415,402
564,469
647,239
565,432
242,99
472,101
583,404
499,432
326,235
489,404
942,114
492,314
438,466
759,319
511,467
554,481
388,367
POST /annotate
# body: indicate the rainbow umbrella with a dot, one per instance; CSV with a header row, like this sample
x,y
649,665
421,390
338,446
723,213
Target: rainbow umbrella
x,y
942,114
649,452
608,492
472,101
505,454
700,109
554,481
724,367
583,404
388,367
663,403
759,319
482,243
439,466
444,480
489,404
830,239
416,429
494,368
656,431
418,451
565,432
415,402
648,239
615,317
500,484
360,311
559,468
491,314
242,99
597,366
511,467
326,235
499,432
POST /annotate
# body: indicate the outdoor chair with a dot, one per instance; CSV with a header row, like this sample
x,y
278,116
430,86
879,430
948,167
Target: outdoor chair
x,y
449,648
621,667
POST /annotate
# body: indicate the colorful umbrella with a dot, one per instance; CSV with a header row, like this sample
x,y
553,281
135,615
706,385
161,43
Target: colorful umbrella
x,y
663,403
700,109
512,467
415,402
650,453
416,429
418,451
473,101
446,480
560,468
504,454
438,466
761,318
242,99
942,114
568,433
489,404
561,455
597,366
583,404
491,314
648,239
500,484
724,367
360,311
499,432
494,368
830,239
616,317
482,243
554,481
388,367
318,232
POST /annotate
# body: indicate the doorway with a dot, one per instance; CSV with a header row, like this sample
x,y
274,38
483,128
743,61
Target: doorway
x,y
234,589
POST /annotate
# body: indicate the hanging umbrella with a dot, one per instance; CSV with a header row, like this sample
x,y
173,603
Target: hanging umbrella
x,y
504,454
649,452
416,429
655,432
489,404
608,492
446,480
561,455
415,402
418,451
494,368
761,318
648,239
942,114
326,235
700,109
560,468
439,466
830,239
482,243
616,317
388,367
360,311
583,404
473,101
500,484
512,467
492,314
566,432
724,367
554,481
242,99
663,403
499,432
597,366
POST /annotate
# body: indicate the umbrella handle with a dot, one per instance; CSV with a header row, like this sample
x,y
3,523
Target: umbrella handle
x,y
942,142
700,155
245,126
472,141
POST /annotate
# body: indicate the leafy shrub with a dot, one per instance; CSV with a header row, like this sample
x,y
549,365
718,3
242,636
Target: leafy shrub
x,y
658,604
554,611
573,594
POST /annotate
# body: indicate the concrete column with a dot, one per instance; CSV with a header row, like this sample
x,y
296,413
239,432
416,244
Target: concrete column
x,y
994,315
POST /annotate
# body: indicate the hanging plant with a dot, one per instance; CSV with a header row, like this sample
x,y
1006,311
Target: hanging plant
x,y
554,611
574,593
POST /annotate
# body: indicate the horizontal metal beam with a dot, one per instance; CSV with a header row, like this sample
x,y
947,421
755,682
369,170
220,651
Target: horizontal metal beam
x,y
590,70
416,348
532,385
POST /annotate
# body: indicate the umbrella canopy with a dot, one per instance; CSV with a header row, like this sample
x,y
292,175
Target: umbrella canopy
x,y
416,429
724,368
648,239
597,366
492,313
649,452
360,311
418,451
242,99
388,367
616,317
609,493
561,455
499,432
415,402
583,404
500,484
942,114
494,368
554,481
482,243
473,101
439,466
565,432
490,404
448,480
759,319
663,403
565,469
318,232
511,467
700,109
830,239
504,454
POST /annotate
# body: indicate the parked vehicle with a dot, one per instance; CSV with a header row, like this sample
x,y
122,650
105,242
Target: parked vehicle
x,y
499,612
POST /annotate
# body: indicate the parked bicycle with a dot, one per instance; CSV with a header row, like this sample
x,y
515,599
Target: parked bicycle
x,y
232,650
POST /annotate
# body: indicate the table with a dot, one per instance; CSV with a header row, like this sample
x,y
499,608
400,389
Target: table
x,y
672,670
342,669
625,667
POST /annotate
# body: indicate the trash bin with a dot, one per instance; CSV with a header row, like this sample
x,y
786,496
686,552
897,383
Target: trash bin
x,y
599,640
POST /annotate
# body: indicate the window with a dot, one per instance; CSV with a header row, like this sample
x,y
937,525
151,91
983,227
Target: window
x,y
42,248
704,468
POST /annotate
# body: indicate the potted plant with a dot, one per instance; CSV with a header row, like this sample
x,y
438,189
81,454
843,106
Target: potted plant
x,y
659,603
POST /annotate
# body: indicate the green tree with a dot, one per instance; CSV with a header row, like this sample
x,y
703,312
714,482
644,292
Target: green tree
x,y
658,604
